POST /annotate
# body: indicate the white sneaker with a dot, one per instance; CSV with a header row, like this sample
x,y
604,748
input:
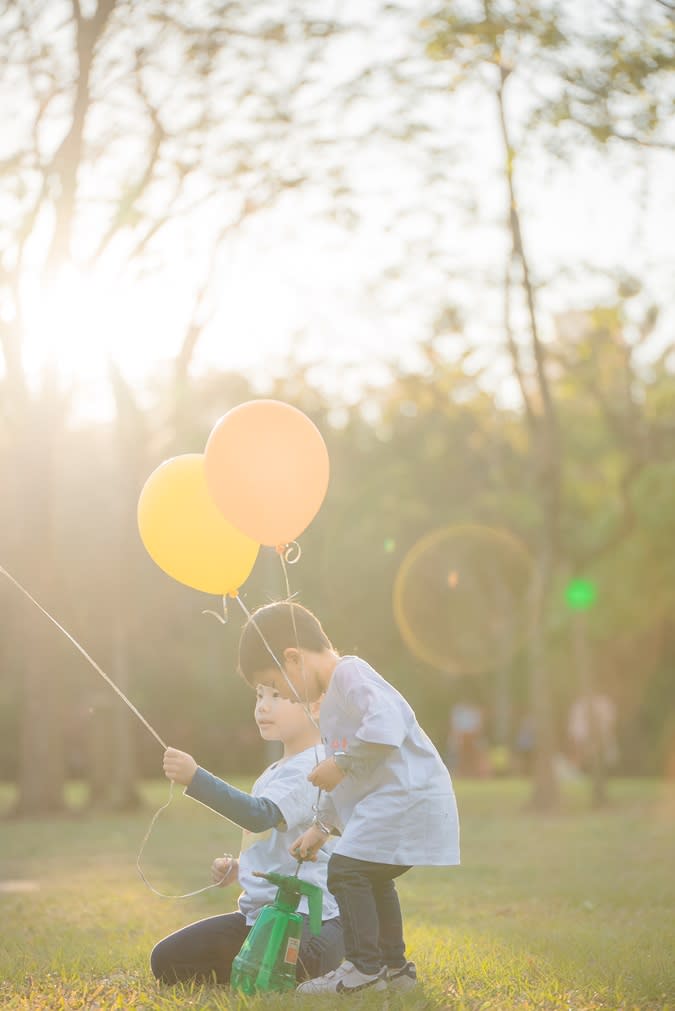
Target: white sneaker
x,y
345,979
402,979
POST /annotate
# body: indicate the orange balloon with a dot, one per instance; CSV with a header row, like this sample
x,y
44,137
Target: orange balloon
x,y
267,470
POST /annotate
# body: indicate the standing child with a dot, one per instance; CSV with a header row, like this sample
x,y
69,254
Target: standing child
x,y
390,794
278,807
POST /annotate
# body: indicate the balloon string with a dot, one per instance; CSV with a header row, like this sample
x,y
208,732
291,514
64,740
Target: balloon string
x,y
141,718
222,618
86,656
285,562
303,702
251,618
163,895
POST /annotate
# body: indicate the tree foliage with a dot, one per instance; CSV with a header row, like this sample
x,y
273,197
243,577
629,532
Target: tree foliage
x,y
150,134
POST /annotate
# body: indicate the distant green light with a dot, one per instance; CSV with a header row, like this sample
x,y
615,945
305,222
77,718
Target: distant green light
x,y
389,545
580,594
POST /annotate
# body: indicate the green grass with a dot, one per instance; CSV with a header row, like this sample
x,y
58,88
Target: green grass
x,y
572,911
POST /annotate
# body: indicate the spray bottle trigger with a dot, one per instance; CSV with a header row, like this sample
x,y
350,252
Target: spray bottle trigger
x,y
290,890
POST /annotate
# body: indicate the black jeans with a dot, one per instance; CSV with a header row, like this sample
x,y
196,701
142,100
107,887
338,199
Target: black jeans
x,y
369,910
204,951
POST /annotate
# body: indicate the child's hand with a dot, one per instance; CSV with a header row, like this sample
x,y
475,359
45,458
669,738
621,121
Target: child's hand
x,y
326,775
224,870
308,844
179,766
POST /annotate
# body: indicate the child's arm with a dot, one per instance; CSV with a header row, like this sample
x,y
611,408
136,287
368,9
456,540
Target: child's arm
x,y
326,823
359,758
256,814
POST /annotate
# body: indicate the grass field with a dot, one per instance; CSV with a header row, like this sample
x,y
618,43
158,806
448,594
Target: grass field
x,y
573,911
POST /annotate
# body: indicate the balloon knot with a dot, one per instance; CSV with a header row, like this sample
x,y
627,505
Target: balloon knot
x,y
292,553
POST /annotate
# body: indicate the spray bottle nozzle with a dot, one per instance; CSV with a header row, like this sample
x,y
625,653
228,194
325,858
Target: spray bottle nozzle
x,y
291,889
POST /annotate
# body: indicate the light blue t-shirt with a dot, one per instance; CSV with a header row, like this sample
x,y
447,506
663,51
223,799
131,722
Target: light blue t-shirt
x,y
402,809
284,783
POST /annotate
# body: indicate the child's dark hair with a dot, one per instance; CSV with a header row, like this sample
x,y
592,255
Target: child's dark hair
x,y
280,629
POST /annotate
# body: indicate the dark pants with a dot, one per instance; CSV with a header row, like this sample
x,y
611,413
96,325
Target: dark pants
x,y
204,951
369,910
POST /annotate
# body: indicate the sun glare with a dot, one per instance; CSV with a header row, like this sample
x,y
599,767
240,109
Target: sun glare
x,y
78,322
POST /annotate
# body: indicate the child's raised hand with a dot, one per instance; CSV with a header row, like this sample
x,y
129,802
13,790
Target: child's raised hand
x,y
179,766
308,844
326,775
224,870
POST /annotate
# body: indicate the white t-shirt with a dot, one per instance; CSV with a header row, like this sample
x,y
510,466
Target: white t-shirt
x,y
401,810
284,783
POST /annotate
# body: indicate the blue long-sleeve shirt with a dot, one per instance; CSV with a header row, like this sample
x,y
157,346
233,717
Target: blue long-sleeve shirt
x,y
256,814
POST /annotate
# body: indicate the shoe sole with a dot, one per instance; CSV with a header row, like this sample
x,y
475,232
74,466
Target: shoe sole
x,y
377,985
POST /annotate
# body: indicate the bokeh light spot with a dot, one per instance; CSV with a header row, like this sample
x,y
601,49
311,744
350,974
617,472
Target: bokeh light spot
x,y
461,598
580,594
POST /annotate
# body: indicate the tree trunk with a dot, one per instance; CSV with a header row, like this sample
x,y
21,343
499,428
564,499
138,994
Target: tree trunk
x,y
545,788
98,748
546,462
587,690
124,795
111,766
41,761
41,766
128,459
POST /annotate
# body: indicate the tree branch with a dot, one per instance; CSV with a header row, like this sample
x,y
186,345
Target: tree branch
x,y
514,351
66,161
127,201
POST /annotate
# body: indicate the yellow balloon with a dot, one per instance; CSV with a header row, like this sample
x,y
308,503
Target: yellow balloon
x,y
186,534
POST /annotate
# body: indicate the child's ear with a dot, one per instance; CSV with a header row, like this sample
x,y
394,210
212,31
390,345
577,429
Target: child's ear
x,y
292,656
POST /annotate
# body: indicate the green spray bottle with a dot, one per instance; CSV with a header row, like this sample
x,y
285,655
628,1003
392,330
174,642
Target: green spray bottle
x,y
269,955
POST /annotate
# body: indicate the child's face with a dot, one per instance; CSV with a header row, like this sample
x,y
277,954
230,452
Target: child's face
x,y
278,719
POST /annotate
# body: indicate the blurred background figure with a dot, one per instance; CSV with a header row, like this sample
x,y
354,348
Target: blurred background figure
x,y
591,729
524,744
467,755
